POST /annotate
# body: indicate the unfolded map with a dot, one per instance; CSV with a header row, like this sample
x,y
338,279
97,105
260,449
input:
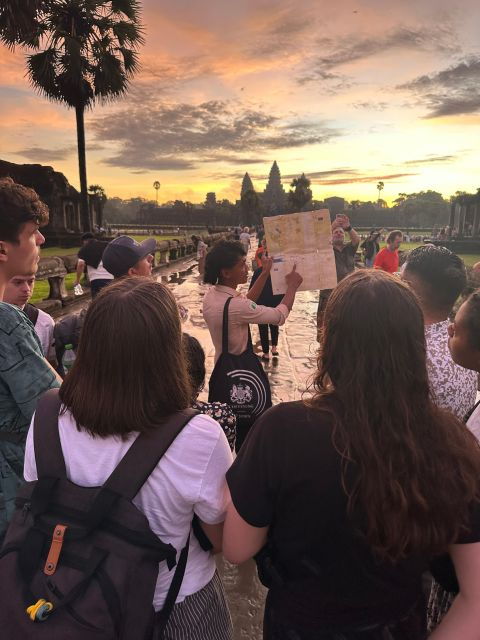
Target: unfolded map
x,y
303,239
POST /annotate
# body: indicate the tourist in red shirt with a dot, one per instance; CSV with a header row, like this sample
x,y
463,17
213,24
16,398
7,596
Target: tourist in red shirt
x,y
387,258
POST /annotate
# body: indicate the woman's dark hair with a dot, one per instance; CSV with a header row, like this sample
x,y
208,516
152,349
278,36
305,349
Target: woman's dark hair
x,y
392,235
223,255
195,356
19,205
130,371
472,319
410,469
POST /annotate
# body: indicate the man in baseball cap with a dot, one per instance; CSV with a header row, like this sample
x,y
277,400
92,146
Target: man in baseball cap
x,y
124,256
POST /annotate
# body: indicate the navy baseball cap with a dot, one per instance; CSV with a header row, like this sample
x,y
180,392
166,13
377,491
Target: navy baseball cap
x,y
124,252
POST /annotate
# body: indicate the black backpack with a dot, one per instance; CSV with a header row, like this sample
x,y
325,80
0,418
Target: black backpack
x,y
240,382
67,331
31,312
81,563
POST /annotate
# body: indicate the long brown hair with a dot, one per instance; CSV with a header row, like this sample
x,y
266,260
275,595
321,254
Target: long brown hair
x,y
130,371
410,470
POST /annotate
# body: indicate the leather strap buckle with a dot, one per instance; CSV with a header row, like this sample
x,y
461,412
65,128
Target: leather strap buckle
x,y
55,549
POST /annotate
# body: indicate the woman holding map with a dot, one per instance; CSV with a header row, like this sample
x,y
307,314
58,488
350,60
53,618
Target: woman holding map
x,y
238,377
226,268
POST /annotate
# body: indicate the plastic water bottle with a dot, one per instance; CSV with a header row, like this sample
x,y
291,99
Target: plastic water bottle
x,y
68,358
77,290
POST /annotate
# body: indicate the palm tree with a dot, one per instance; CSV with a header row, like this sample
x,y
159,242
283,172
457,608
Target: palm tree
x,y
300,194
380,186
156,186
87,53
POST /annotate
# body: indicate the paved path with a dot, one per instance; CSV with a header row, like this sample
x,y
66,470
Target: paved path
x,y
288,379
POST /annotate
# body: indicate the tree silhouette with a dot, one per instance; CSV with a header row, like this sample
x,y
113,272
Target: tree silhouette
x,y
300,193
87,52
380,186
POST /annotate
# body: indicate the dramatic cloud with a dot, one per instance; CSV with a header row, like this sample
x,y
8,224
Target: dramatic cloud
x,y
452,91
38,154
432,160
362,179
439,39
156,135
370,106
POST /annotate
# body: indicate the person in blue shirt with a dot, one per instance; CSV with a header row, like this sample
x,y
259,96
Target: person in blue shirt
x,y
24,373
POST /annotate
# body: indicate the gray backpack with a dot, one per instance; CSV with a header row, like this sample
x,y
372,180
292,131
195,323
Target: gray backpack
x,y
81,563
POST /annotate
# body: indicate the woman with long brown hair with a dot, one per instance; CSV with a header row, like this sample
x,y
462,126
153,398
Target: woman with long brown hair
x,y
129,377
348,496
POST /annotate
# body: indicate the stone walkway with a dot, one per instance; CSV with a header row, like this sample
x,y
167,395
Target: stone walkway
x,y
288,380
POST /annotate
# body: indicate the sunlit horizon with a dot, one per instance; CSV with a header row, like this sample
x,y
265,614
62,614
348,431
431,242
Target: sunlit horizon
x,y
349,94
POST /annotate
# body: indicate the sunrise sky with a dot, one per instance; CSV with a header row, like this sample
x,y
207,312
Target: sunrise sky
x,y
349,92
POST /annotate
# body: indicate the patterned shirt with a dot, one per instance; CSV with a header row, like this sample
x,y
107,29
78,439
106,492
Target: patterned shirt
x,y
24,376
223,414
452,386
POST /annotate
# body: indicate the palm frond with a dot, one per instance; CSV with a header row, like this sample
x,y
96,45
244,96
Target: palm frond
x,y
42,72
108,80
130,60
130,8
20,22
127,33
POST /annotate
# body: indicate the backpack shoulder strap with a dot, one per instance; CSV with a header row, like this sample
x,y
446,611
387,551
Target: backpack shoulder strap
x,y
46,438
225,325
471,412
31,313
143,456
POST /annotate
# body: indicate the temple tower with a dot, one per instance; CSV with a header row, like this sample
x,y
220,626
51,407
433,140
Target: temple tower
x,y
274,195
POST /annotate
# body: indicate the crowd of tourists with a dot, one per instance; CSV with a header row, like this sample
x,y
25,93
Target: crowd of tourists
x,y
359,503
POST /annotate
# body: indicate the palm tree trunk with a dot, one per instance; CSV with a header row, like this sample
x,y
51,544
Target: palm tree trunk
x,y
82,168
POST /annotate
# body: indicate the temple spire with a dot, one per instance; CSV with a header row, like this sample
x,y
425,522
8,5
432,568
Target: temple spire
x,y
274,194
247,185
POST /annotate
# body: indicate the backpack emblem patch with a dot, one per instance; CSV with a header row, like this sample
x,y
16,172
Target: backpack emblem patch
x,y
240,393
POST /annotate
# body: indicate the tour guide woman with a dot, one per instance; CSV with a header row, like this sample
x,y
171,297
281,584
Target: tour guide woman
x,y
226,268
356,489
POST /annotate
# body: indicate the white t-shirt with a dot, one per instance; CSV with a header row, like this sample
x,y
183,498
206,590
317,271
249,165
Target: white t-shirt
x,y
245,238
189,478
100,273
44,329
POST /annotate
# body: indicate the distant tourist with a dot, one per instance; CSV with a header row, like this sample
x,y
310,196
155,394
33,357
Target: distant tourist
x,y
201,249
267,299
370,248
24,372
90,255
344,253
387,258
245,239
18,292
125,256
438,277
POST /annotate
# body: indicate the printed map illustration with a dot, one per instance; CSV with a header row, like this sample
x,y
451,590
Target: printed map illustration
x,y
303,239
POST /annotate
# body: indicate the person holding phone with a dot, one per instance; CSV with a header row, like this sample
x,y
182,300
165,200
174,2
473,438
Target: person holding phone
x,y
267,299
344,253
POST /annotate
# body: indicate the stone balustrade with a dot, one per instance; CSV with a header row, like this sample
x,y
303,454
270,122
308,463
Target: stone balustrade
x,y
56,268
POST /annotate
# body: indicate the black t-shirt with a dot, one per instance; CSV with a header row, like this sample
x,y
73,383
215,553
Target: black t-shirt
x,y
288,476
92,252
266,297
